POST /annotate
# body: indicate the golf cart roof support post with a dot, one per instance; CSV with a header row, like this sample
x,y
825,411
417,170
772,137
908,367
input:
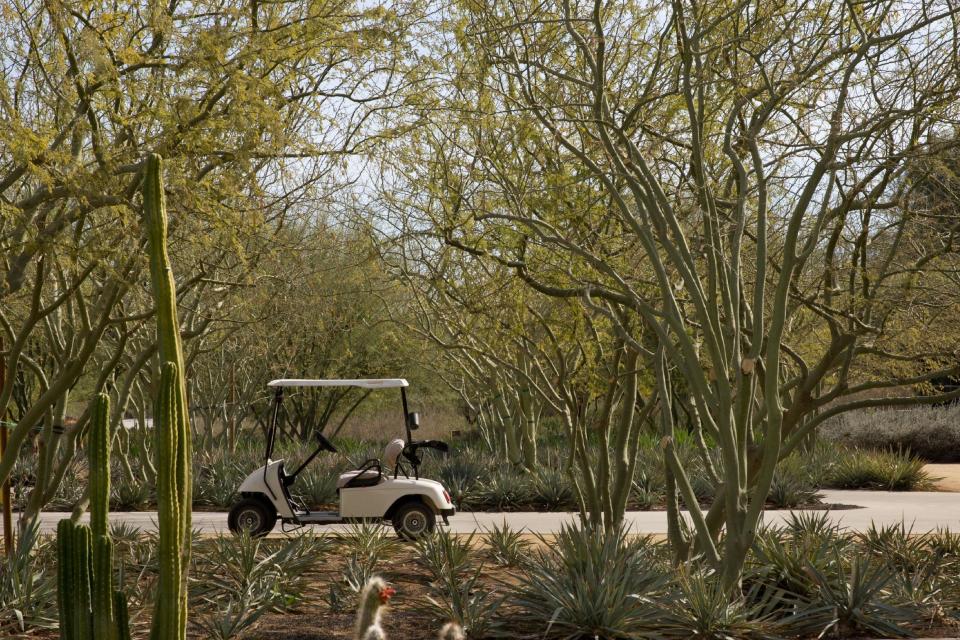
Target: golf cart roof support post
x,y
272,435
406,414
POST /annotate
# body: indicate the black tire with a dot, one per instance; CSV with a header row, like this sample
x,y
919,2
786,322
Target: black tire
x,y
254,515
414,520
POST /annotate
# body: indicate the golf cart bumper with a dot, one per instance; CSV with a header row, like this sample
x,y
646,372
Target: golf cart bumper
x,y
446,513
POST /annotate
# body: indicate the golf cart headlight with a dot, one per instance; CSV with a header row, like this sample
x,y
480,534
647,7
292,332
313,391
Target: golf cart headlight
x,y
446,497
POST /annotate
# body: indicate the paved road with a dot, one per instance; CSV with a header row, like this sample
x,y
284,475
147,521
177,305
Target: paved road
x,y
924,511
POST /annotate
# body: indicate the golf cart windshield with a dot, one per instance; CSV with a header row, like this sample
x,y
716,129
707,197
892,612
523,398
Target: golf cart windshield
x,y
410,421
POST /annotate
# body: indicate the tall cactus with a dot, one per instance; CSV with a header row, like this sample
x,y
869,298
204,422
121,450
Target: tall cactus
x,y
88,602
172,431
98,446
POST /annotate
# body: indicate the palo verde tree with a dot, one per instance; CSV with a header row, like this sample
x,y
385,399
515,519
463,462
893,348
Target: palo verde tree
x,y
251,107
726,177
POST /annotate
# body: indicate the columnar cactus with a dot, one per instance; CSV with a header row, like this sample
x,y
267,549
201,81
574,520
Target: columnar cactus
x,y
88,602
98,454
73,580
98,451
172,430
375,594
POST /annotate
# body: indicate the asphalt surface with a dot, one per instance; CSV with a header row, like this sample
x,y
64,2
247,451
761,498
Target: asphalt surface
x,y
923,511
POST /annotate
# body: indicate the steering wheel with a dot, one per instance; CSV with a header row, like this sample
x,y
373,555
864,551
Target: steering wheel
x,y
326,443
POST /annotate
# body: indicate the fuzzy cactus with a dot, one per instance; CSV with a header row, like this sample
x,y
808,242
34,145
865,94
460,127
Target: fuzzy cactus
x,y
451,631
172,431
88,602
376,593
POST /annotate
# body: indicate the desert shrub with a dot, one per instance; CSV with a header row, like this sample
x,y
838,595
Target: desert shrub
x,y
589,583
884,470
931,433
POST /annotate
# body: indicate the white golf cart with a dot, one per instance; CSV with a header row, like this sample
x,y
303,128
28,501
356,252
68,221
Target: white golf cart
x,y
378,489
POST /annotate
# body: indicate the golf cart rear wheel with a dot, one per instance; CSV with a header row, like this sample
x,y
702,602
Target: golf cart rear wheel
x,y
252,515
414,520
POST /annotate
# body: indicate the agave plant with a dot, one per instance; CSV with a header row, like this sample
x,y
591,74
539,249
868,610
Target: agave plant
x,y
855,601
551,490
885,470
777,577
216,478
589,583
464,600
443,553
228,615
28,590
504,490
317,486
896,545
701,608
368,540
239,568
506,546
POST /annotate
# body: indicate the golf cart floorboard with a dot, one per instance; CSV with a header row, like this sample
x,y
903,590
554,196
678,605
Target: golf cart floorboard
x,y
320,517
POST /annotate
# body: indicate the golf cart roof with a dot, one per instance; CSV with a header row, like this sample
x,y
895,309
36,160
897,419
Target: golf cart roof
x,y
372,383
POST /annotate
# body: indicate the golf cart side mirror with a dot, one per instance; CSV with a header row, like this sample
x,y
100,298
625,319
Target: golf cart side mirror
x,y
413,421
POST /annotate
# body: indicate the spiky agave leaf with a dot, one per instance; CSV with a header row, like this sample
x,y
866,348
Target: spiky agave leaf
x,y
588,583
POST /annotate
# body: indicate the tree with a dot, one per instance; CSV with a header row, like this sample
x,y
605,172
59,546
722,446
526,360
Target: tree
x,y
251,105
725,177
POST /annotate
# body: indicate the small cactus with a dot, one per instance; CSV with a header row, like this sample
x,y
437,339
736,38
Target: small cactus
x,y
89,606
451,631
376,593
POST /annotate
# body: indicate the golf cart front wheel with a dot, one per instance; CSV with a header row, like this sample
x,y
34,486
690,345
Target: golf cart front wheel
x,y
252,515
414,520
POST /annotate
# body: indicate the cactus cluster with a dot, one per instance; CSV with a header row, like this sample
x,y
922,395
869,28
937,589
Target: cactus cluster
x,y
172,431
90,608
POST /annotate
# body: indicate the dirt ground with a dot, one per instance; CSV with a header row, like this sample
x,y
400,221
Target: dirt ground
x,y
948,474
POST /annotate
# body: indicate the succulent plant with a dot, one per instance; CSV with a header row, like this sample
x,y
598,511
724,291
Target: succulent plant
x,y
171,417
89,606
451,631
375,595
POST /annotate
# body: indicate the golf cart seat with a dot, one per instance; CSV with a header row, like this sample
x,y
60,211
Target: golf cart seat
x,y
371,472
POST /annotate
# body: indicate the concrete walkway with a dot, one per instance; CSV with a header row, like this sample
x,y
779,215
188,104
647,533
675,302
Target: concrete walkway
x,y
924,511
